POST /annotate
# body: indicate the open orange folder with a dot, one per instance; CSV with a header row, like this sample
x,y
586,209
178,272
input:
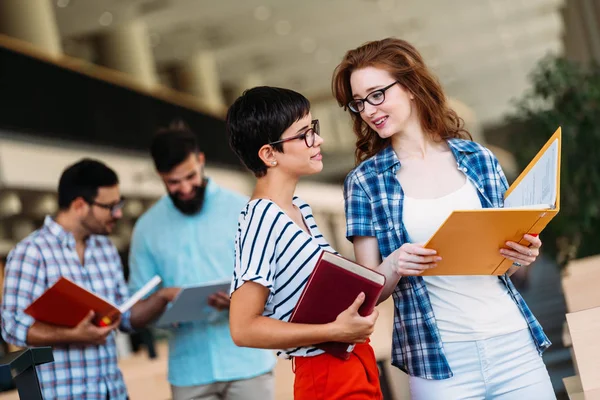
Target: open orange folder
x,y
469,240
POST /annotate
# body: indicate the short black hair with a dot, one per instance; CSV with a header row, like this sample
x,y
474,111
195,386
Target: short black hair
x,y
173,145
260,116
83,179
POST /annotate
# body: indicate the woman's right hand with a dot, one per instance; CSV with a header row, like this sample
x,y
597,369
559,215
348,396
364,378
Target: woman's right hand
x,y
351,327
412,259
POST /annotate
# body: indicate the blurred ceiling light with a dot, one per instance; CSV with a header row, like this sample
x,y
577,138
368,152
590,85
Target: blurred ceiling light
x,y
283,27
46,204
10,204
133,208
106,18
323,56
262,13
62,3
386,5
308,45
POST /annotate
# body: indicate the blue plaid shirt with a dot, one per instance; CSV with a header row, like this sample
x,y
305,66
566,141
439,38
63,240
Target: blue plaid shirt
x,y
79,372
374,200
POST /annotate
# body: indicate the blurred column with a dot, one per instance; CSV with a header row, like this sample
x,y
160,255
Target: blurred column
x,y
322,112
473,126
468,115
344,246
126,48
344,129
199,76
590,10
32,21
582,30
251,80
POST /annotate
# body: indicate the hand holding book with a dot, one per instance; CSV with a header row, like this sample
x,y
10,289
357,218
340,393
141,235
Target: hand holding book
x,y
68,304
351,327
342,294
86,332
469,241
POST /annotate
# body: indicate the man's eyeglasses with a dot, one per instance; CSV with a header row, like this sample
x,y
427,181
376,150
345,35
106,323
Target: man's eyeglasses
x,y
113,207
374,98
308,135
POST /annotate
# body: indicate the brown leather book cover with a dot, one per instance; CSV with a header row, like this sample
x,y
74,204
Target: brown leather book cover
x,y
332,288
469,241
66,303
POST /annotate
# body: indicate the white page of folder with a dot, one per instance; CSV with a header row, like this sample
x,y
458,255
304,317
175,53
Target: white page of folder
x,y
538,187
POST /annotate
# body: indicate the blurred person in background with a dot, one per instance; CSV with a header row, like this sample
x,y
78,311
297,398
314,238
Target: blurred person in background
x,y
456,336
277,247
187,239
74,245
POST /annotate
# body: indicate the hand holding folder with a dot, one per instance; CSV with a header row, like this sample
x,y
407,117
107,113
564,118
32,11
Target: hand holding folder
x,y
469,240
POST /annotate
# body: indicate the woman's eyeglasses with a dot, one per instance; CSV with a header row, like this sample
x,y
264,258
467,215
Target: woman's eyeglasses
x,y
308,135
374,98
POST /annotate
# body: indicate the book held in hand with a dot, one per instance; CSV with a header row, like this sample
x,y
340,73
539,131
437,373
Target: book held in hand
x,y
333,286
66,303
191,304
469,241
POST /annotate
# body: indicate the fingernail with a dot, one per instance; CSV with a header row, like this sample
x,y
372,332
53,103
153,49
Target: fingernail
x,y
438,259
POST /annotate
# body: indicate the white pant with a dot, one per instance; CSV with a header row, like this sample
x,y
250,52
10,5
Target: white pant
x,y
261,387
506,367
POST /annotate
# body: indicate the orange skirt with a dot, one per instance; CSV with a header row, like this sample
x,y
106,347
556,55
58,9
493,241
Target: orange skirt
x,y
325,377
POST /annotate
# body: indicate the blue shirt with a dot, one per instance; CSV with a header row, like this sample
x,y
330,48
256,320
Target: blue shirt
x,y
188,250
87,372
373,202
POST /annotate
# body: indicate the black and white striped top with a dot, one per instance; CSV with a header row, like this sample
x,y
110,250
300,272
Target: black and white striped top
x,y
271,250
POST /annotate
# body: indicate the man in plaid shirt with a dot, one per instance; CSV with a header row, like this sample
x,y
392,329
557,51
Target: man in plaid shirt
x,y
74,245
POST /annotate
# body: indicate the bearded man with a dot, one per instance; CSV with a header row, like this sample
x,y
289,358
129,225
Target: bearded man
x,y
187,238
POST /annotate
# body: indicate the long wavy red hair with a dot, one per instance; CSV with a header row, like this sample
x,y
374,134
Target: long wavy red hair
x,y
406,65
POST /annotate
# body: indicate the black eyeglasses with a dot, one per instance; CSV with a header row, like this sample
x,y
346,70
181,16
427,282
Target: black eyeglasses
x,y
113,207
308,135
374,98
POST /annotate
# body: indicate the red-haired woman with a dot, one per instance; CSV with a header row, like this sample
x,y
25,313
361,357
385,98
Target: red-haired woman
x,y
457,337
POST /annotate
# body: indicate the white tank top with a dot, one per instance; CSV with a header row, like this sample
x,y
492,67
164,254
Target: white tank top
x,y
465,307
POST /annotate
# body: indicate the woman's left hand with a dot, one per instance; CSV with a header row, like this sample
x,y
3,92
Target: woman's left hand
x,y
521,255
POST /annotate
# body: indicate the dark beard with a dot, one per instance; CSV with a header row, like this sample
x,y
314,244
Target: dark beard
x,y
193,205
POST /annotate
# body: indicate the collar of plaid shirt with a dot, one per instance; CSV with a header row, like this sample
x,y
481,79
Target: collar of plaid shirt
x,y
417,347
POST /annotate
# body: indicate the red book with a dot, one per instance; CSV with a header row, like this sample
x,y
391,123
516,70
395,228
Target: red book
x,y
332,288
66,304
